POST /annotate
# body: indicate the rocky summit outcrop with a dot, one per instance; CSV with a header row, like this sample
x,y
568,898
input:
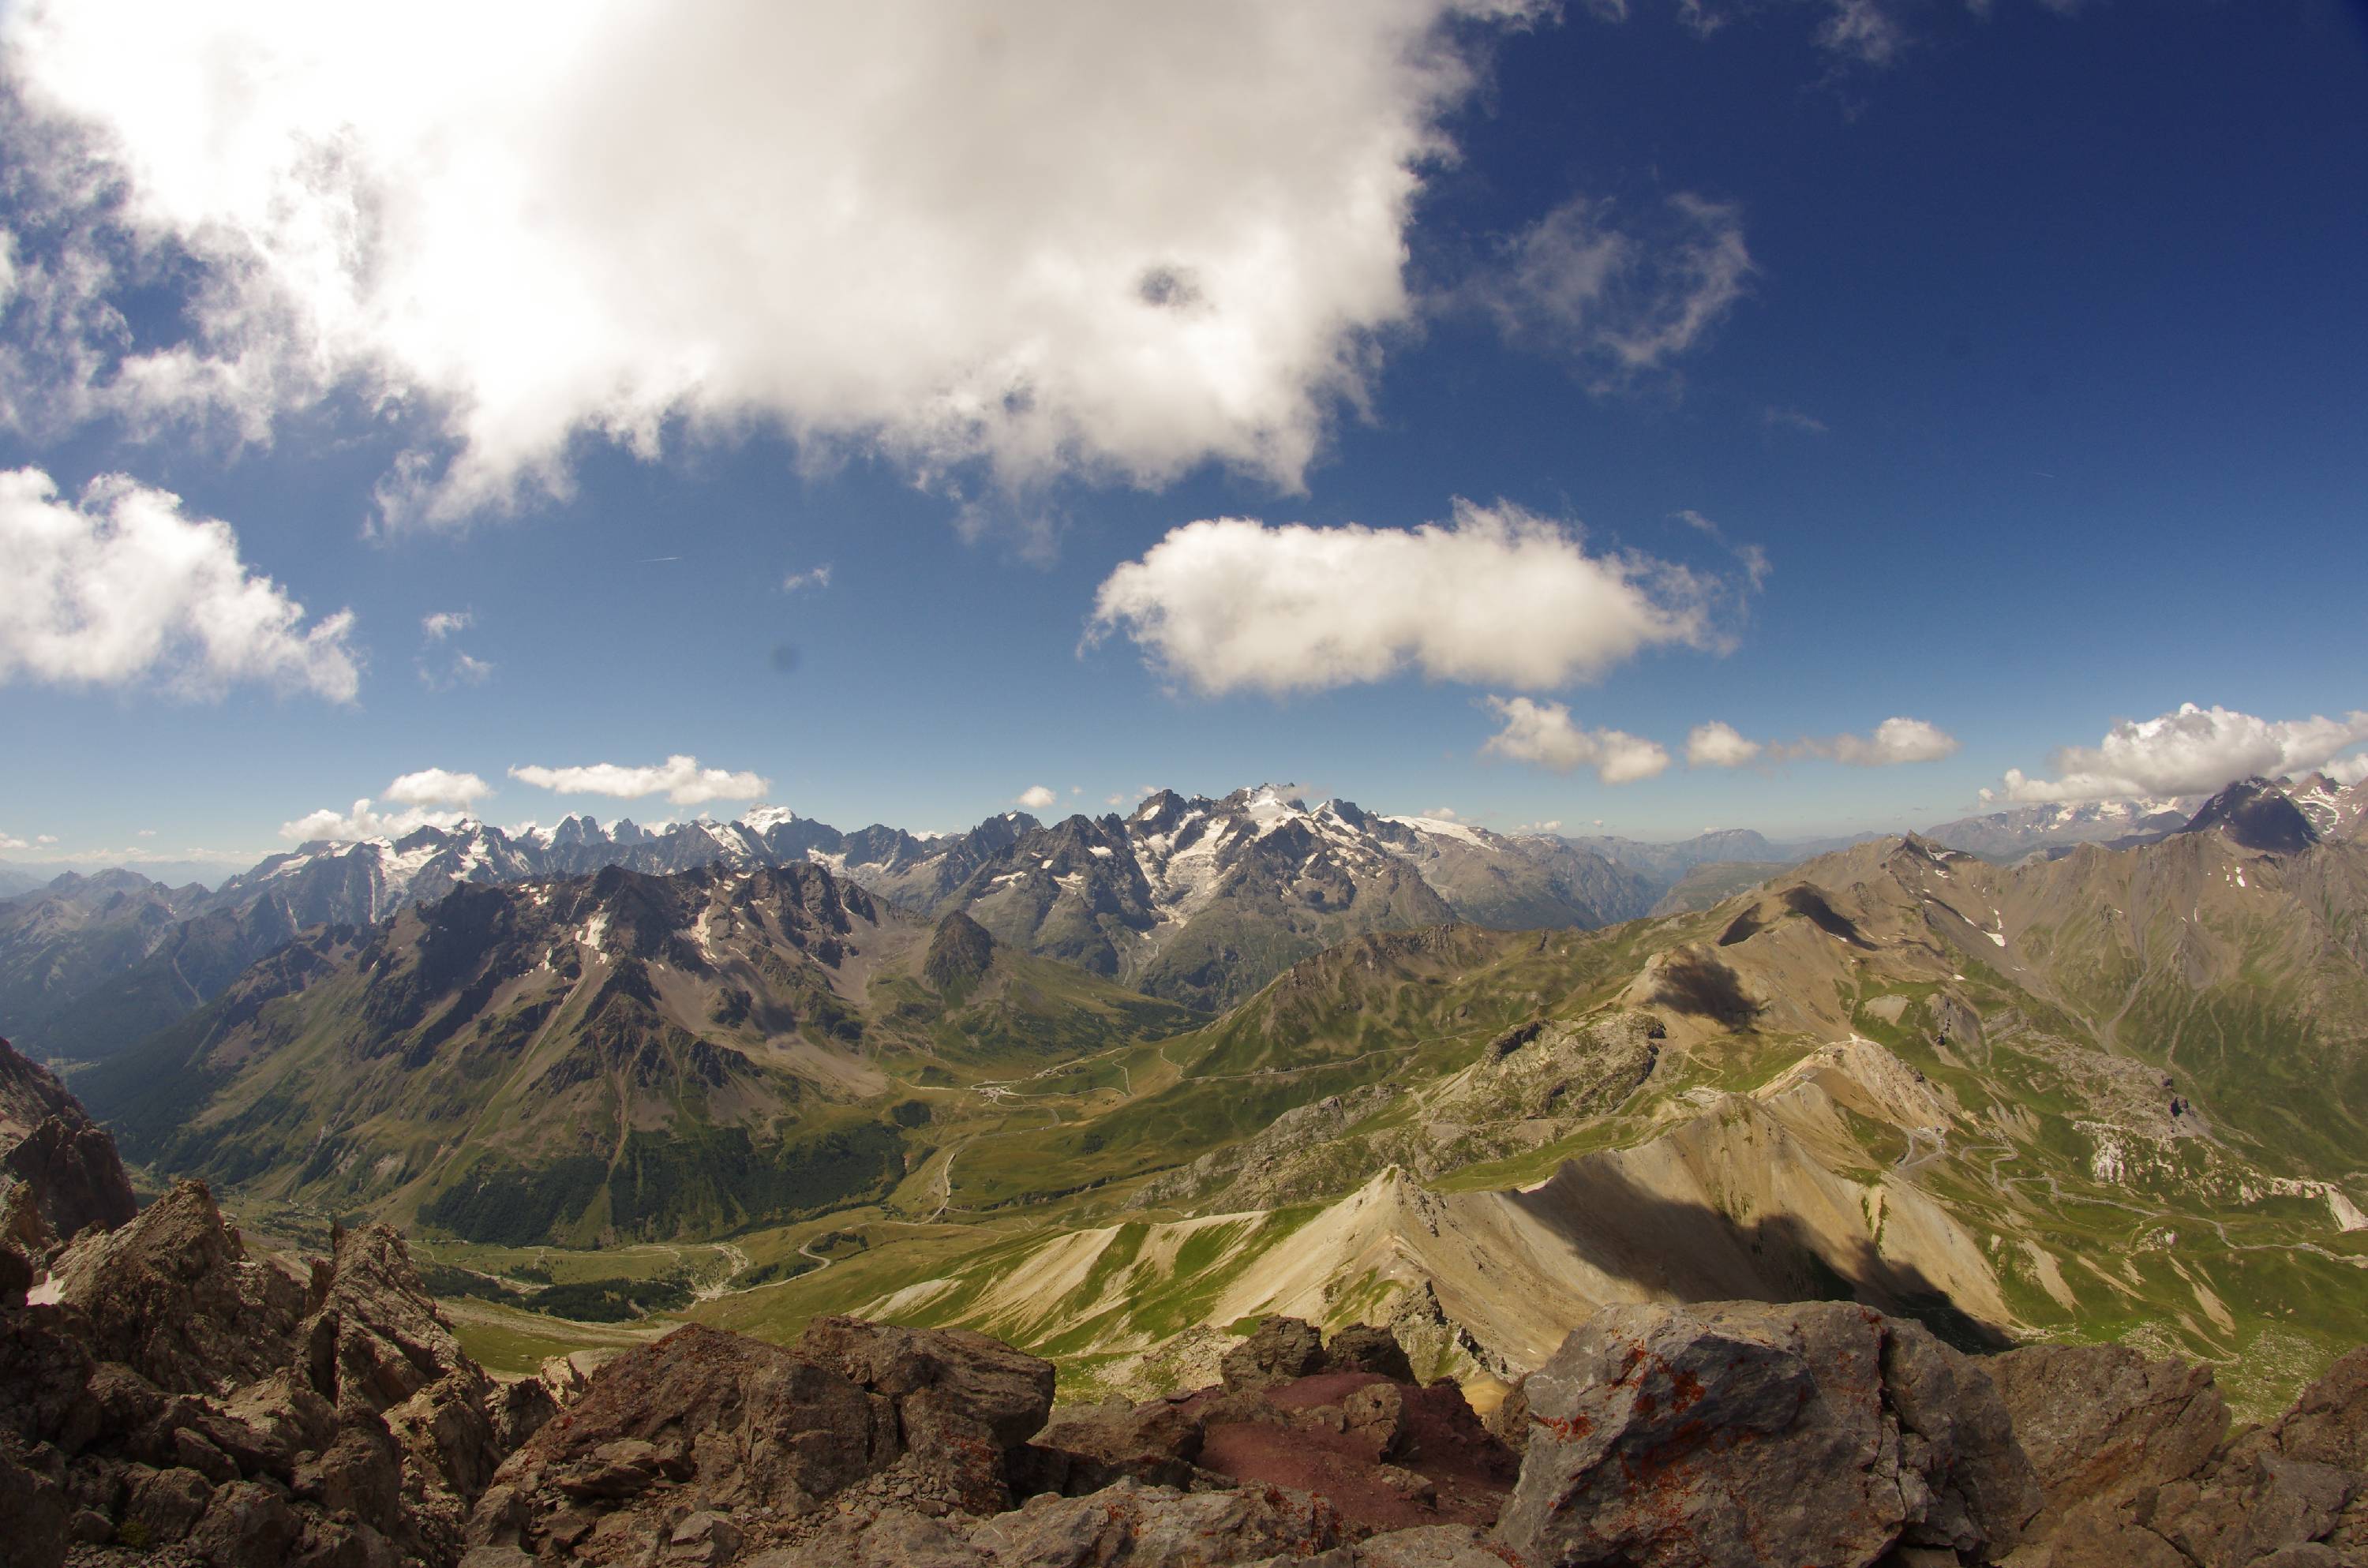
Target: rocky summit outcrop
x,y
163,1390
2140,1466
1819,1433
167,1396
704,1443
866,1443
1742,1433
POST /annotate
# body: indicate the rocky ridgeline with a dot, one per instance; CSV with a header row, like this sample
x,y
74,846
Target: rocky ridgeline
x,y
167,1397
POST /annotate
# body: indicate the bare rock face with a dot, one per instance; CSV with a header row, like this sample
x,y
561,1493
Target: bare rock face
x,y
173,1296
2139,1469
178,1393
77,1179
1282,1349
1361,1347
1153,1527
964,1404
699,1422
67,1163
1741,1433
1154,1443
1390,1456
2101,1422
34,1509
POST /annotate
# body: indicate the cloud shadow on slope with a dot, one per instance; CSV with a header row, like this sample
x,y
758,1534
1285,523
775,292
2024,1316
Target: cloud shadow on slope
x,y
1692,1252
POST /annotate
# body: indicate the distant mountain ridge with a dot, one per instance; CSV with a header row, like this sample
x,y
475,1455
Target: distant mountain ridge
x,y
1198,900
2019,831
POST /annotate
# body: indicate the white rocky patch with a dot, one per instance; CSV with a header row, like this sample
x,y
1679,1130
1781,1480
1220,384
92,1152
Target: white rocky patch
x,y
2346,1214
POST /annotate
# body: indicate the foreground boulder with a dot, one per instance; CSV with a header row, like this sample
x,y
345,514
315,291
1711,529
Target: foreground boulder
x,y
705,1444
2140,1466
965,1404
1741,1433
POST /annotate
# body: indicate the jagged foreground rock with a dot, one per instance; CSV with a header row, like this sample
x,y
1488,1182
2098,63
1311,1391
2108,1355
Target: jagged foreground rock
x,y
164,1389
1734,1434
167,1397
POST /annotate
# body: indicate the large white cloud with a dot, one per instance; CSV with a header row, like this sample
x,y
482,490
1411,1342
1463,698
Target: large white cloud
x,y
1037,798
121,587
2192,752
1543,732
679,778
1497,596
1058,238
437,787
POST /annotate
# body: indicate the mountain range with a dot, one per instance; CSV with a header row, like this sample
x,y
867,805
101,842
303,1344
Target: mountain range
x,y
2116,1090
603,1055
1197,899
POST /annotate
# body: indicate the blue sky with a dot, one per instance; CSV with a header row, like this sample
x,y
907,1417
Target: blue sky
x,y
2040,395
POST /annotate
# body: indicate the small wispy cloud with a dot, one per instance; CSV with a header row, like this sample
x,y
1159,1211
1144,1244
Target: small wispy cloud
x,y
1894,742
442,666
1776,418
813,577
1620,295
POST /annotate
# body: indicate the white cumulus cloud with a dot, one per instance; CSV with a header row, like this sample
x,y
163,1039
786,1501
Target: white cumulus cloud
x,y
1036,798
813,577
437,787
679,778
2342,770
9,841
122,587
1717,745
363,821
432,796
2192,752
444,622
1541,733
1045,238
1499,595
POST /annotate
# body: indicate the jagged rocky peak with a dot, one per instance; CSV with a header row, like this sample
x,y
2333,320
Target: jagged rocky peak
x,y
2255,813
1159,813
959,952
